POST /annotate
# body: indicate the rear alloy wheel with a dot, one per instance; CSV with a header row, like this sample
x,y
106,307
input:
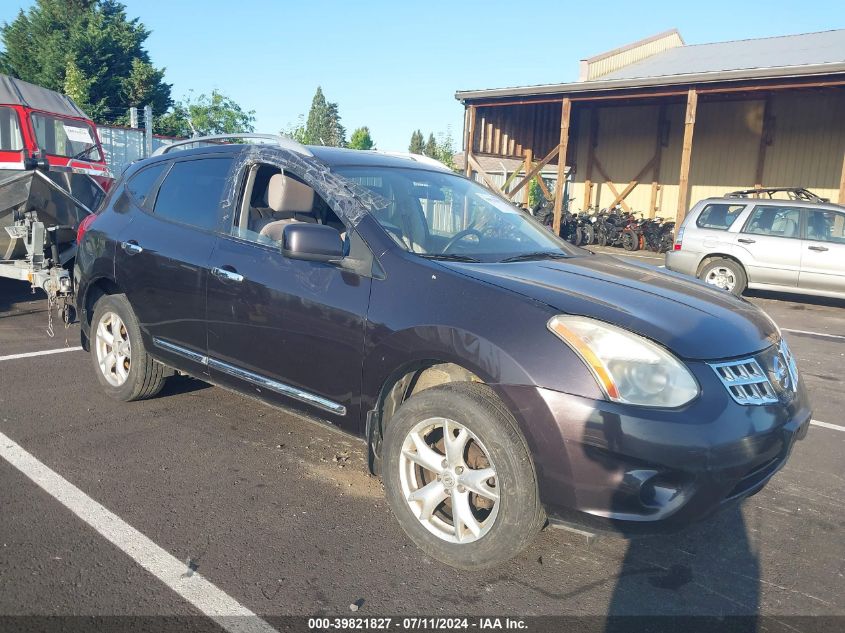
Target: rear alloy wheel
x,y
725,274
459,476
123,367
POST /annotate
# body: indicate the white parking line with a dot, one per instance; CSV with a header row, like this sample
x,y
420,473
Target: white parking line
x,y
828,425
42,353
205,596
833,336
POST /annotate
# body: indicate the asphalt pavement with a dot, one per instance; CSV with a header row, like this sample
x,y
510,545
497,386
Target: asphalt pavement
x,y
278,515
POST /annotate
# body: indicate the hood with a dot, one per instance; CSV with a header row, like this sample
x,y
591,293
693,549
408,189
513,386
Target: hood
x,y
686,316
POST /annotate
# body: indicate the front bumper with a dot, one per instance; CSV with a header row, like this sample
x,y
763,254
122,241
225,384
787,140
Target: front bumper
x,y
654,467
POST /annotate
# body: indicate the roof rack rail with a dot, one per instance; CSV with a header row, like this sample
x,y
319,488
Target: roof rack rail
x,y
219,139
792,193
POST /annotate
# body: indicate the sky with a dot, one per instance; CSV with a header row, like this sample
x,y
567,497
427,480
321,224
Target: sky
x,y
394,66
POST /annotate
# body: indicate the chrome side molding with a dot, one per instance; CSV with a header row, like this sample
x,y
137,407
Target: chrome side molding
x,y
255,379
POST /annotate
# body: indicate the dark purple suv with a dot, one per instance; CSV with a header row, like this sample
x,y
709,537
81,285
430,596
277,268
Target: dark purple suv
x,y
498,375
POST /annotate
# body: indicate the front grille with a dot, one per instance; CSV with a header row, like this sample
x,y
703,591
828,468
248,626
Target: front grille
x,y
746,381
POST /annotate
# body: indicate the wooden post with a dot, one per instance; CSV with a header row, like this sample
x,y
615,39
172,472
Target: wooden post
x,y
565,112
658,154
469,140
765,134
529,156
686,155
592,140
842,182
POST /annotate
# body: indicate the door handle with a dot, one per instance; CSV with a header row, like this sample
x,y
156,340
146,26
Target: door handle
x,y
131,247
745,240
227,275
820,249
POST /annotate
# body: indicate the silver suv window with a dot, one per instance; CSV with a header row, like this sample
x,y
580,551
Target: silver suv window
x,y
718,216
774,220
826,226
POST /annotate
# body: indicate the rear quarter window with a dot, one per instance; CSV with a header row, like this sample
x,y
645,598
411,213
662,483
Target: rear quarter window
x,y
719,216
192,191
140,185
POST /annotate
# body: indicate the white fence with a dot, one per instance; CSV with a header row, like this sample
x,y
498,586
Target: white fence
x,y
125,145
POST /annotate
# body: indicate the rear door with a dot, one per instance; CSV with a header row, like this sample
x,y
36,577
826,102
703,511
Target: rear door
x,y
163,255
823,251
770,244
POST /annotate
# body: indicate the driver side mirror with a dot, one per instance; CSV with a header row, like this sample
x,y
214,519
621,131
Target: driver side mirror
x,y
312,242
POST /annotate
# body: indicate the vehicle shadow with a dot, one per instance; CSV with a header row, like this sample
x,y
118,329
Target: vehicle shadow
x,y
813,300
177,385
687,579
14,292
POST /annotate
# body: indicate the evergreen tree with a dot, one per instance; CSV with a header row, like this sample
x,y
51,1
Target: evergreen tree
x,y
416,146
430,148
361,139
323,124
96,44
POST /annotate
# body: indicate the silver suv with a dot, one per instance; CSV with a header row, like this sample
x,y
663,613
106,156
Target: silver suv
x,y
739,242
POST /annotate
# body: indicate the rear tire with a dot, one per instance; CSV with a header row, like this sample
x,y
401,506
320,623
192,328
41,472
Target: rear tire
x,y
503,517
725,274
630,241
123,367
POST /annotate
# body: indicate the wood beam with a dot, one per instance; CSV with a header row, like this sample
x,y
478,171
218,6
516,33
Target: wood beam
x,y
536,170
842,182
658,156
470,137
630,186
592,141
546,193
484,176
765,139
526,191
609,183
686,155
565,116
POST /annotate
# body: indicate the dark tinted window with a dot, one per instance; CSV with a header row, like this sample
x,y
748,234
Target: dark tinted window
x,y
777,221
826,226
140,185
191,192
10,130
719,216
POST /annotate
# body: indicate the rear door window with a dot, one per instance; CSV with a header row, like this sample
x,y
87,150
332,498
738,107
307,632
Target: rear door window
x,y
826,226
719,216
777,221
192,191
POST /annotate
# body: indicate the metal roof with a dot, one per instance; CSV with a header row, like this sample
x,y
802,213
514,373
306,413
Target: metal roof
x,y
17,92
802,55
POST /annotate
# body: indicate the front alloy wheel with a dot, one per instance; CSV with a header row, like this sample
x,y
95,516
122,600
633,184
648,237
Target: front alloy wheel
x,y
459,476
448,480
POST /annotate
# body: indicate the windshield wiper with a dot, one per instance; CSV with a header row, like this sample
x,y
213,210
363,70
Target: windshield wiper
x,y
84,152
450,257
523,257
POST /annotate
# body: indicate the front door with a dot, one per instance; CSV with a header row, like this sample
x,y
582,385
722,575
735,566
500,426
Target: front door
x,y
823,252
163,255
771,239
292,331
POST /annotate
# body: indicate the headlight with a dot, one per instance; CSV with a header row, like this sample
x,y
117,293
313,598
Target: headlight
x,y
628,367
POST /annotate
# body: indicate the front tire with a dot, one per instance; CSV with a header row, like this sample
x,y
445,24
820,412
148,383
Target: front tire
x,y
123,367
470,501
725,274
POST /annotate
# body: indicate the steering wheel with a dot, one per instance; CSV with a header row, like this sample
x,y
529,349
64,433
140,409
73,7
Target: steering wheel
x,y
459,236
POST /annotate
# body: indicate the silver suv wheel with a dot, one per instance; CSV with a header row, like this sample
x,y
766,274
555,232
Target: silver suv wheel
x,y
448,480
721,277
114,351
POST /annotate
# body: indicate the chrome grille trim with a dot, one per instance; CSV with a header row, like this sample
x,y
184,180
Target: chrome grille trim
x,y
746,381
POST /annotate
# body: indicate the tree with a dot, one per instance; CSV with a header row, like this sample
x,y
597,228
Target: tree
x,y
215,114
96,44
323,124
430,148
416,146
446,149
361,139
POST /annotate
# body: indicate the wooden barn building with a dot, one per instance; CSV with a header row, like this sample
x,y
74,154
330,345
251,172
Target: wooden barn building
x,y
656,125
